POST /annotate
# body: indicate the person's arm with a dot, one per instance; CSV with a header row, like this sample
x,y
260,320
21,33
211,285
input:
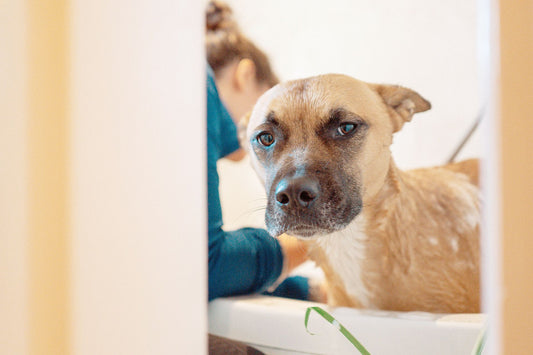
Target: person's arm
x,y
242,262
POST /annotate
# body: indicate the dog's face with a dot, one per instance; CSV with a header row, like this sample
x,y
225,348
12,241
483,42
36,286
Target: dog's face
x,y
321,147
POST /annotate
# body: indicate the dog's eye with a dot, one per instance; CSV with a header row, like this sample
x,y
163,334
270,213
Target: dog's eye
x,y
265,139
346,128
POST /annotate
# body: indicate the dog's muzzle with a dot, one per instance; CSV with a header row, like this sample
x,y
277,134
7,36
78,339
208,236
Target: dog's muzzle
x,y
307,205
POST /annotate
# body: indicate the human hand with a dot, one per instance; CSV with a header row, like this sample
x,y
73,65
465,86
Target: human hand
x,y
294,251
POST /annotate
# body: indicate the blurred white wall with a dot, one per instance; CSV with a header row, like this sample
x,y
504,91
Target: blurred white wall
x,y
429,46
103,238
14,315
139,241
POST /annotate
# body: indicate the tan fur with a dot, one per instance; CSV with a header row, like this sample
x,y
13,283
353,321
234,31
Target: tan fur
x,y
468,167
396,270
415,243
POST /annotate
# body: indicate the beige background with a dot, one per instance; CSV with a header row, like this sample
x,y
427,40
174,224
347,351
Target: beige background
x,y
101,226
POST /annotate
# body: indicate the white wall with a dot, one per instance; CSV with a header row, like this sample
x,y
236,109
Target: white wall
x,y
136,245
429,46
14,327
139,241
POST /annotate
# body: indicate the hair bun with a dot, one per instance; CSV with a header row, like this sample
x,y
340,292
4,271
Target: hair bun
x,y
219,16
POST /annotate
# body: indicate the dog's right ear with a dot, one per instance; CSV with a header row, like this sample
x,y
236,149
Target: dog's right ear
x,y
241,130
403,102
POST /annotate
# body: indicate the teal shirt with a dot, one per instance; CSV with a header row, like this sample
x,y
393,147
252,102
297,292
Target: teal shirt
x,y
247,260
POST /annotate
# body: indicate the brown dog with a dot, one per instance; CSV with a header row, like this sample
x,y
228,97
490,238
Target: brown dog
x,y
385,238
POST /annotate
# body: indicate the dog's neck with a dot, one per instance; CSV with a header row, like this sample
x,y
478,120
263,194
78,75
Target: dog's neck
x,y
398,220
392,188
405,209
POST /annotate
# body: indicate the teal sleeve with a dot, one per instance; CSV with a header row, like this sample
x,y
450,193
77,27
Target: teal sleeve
x,y
243,261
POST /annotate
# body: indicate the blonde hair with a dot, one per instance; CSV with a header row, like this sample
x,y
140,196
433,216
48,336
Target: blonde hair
x,y
225,43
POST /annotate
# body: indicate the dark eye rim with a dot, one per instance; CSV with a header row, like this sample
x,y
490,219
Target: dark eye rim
x,y
263,134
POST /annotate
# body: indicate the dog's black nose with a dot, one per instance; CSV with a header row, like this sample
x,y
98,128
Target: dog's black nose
x,y
299,191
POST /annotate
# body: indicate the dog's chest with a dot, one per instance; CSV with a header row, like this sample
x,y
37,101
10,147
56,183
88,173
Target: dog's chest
x,y
345,252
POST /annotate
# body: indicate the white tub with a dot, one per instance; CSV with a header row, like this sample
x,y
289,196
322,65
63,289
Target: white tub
x,y
276,326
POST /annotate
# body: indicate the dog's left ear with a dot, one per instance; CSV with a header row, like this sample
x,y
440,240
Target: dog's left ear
x,y
241,130
404,103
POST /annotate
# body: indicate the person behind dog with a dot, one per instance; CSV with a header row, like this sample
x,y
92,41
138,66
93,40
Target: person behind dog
x,y
247,260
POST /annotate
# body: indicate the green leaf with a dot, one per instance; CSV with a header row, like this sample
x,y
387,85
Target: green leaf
x,y
337,325
480,343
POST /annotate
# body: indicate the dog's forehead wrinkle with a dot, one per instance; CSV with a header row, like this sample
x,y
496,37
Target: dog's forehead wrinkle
x,y
315,100
304,98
